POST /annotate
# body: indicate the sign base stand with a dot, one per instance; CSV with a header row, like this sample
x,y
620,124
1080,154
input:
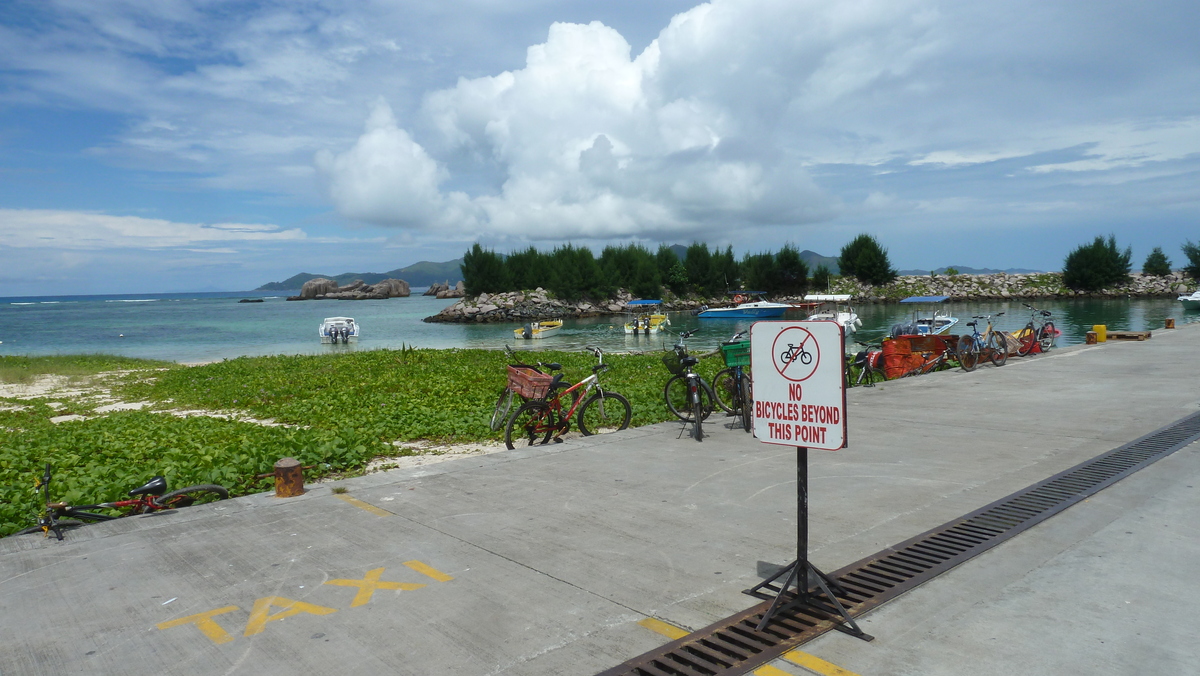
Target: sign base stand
x,y
803,575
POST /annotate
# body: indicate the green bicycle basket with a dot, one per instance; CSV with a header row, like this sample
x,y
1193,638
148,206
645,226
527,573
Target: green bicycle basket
x,y
737,354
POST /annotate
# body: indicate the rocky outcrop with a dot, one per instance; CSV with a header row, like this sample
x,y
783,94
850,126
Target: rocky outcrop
x,y
525,306
445,290
327,289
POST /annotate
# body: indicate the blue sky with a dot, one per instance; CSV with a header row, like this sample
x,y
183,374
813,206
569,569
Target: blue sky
x,y
215,145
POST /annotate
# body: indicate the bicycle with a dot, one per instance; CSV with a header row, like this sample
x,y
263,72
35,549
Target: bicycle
x,y
543,417
518,386
732,384
974,345
794,352
864,367
689,397
152,496
1037,334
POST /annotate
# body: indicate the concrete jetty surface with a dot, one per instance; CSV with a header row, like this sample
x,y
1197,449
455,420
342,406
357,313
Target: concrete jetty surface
x,y
573,558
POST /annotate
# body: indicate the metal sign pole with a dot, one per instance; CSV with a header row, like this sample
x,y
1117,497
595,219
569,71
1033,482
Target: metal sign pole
x,y
802,573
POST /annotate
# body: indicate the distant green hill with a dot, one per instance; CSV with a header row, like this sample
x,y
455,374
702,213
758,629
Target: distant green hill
x,y
422,273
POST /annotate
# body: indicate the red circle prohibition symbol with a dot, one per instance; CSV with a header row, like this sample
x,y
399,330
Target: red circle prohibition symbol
x,y
795,354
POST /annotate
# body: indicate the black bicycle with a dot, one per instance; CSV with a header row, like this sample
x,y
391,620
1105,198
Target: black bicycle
x,y
689,397
732,384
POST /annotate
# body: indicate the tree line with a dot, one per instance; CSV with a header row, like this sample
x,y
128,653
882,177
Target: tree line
x,y
572,273
1101,264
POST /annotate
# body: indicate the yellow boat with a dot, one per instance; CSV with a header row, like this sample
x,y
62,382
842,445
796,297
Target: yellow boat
x,y
647,322
538,329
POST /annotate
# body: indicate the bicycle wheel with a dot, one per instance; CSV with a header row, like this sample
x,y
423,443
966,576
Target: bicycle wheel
x,y
533,421
604,412
192,495
725,387
503,407
1047,335
747,404
999,345
968,353
1027,340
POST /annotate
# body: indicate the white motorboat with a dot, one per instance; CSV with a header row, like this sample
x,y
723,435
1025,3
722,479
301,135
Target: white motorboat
x,y
835,307
1191,302
748,309
339,329
543,329
935,324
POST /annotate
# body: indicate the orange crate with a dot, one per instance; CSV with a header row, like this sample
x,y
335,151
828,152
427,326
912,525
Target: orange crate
x,y
528,382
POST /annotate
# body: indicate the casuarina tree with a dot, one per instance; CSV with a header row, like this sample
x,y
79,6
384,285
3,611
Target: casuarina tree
x,y
865,260
1096,266
1157,263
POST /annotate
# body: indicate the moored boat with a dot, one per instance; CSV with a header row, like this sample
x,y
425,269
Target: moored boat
x,y
534,330
650,320
1190,302
935,324
836,308
338,329
748,309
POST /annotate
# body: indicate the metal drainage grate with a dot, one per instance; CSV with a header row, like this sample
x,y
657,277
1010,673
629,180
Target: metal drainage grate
x,y
733,646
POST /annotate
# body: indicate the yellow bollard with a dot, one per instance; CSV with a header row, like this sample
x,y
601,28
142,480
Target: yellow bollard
x,y
1101,332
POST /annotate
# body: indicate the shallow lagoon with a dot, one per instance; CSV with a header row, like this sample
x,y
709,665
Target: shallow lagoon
x,y
208,327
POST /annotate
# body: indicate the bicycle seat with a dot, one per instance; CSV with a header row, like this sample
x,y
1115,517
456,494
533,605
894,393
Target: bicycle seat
x,y
972,323
689,361
553,366
557,383
155,486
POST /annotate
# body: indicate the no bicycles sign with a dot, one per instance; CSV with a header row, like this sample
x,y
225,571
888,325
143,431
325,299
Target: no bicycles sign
x,y
799,388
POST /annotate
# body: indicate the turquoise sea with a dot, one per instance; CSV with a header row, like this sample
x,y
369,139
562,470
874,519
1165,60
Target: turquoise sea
x,y
199,327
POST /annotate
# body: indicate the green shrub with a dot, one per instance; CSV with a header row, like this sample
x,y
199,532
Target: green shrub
x,y
793,272
1192,251
1157,263
483,271
1096,266
820,278
866,260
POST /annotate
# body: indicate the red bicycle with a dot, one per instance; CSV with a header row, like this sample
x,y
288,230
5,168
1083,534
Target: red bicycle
x,y
153,496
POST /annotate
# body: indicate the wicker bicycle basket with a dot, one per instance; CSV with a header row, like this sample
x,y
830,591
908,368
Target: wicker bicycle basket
x,y
671,361
528,382
737,354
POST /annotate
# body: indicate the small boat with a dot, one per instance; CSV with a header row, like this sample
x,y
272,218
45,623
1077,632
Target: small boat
x,y
835,308
748,309
335,329
1191,302
649,321
538,329
933,325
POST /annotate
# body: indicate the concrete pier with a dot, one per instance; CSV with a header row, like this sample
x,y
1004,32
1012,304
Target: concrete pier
x,y
573,558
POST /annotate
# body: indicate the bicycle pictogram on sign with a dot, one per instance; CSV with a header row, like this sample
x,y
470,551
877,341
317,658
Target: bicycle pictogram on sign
x,y
795,354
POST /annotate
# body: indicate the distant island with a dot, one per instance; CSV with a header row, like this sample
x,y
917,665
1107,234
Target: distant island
x,y
423,273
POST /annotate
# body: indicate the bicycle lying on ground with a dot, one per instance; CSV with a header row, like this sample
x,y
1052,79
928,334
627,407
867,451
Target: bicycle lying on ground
x,y
517,387
151,497
732,384
1040,331
991,344
543,417
689,397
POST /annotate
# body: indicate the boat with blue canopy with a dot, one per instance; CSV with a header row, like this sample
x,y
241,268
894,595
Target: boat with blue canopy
x,y
649,318
930,325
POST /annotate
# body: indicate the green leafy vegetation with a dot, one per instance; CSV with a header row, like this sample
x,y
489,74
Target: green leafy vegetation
x,y
820,278
1192,251
335,412
26,369
1157,263
867,261
1096,266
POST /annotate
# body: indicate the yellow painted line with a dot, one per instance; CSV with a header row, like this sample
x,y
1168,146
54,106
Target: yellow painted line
x,y
803,659
362,505
368,585
205,623
815,664
428,571
659,627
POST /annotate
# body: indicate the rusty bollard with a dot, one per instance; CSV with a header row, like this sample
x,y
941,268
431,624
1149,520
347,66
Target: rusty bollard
x,y
289,478
1091,338
1170,323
